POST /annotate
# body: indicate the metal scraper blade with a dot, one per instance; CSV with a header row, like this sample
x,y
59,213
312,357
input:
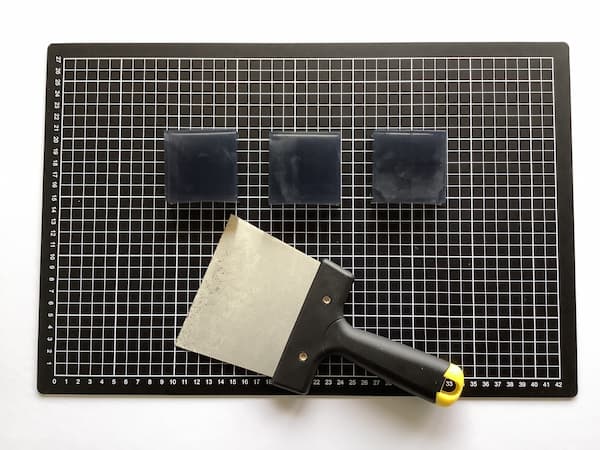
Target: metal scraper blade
x,y
249,299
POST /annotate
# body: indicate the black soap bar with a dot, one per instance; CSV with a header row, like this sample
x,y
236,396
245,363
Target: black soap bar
x,y
201,165
410,167
304,168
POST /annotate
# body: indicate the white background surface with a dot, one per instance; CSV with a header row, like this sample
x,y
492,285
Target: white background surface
x,y
29,420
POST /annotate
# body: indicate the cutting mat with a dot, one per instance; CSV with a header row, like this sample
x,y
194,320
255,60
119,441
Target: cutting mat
x,y
486,280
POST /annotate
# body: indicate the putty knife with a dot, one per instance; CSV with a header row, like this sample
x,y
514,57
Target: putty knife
x,y
267,307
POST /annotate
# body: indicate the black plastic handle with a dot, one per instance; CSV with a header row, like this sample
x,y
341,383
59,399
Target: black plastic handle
x,y
321,329
408,368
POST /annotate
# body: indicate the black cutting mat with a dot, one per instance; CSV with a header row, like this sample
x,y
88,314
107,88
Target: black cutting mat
x,y
486,280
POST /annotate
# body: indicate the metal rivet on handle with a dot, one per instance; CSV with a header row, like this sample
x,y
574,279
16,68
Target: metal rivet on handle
x,y
302,356
326,299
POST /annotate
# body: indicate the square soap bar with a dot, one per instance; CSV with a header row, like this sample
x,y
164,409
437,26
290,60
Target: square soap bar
x,y
304,168
410,167
201,165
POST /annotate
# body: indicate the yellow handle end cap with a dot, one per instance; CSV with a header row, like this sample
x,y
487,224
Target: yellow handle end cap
x,y
455,374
